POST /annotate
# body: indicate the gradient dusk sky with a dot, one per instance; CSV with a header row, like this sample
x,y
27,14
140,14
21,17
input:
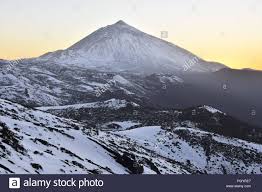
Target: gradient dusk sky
x,y
226,31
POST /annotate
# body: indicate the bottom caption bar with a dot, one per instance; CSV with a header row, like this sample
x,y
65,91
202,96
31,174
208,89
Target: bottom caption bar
x,y
134,183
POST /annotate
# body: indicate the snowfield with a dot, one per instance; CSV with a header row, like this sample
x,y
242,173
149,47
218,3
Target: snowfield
x,y
170,145
44,143
32,141
112,104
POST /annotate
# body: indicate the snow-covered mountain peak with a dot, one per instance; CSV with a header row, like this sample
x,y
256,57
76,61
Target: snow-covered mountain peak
x,y
121,47
121,25
120,22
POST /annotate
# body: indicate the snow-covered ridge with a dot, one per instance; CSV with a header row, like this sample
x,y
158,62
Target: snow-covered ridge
x,y
112,104
211,109
122,80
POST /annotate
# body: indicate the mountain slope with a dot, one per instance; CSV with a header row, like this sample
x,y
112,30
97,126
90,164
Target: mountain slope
x,y
194,150
49,84
36,142
32,141
120,47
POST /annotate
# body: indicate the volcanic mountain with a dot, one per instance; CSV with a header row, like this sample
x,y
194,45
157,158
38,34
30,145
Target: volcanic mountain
x,y
123,48
118,102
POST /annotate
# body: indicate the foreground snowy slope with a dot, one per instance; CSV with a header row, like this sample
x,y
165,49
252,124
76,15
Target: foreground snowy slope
x,y
194,150
37,142
32,141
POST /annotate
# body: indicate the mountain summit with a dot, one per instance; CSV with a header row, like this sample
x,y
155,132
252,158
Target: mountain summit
x,y
121,47
120,22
